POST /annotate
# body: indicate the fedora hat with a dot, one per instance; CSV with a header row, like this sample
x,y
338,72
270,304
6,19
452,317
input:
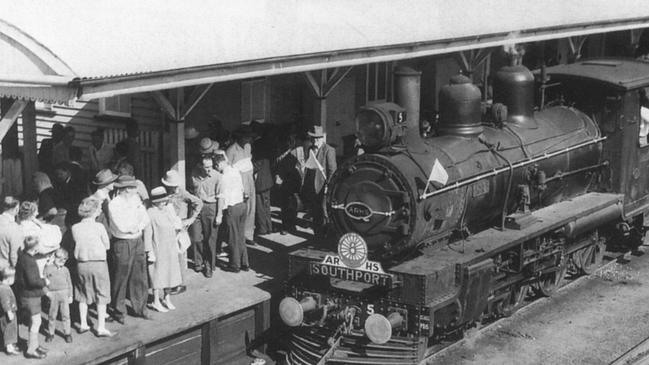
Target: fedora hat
x,y
316,131
207,145
104,177
125,181
171,178
159,194
191,133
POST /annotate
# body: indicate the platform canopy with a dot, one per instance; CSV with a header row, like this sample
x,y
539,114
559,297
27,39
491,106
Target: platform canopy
x,y
53,50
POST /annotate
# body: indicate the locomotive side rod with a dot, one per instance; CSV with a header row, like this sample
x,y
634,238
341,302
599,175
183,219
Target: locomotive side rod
x,y
499,171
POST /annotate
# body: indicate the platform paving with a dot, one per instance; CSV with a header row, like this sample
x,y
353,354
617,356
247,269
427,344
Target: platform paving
x,y
204,299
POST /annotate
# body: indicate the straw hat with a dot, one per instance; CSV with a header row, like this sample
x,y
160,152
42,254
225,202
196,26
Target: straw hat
x,y
208,146
159,194
171,178
125,181
104,177
191,133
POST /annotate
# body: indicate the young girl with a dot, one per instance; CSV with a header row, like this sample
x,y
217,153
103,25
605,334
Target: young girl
x,y
161,237
93,286
29,286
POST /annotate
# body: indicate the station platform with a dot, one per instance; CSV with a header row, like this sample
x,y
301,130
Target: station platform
x,y
216,318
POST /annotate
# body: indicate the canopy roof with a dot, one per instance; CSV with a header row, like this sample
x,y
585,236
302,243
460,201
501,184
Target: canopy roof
x,y
109,47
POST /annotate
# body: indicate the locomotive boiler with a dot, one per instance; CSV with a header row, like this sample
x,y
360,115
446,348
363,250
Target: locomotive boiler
x,y
438,233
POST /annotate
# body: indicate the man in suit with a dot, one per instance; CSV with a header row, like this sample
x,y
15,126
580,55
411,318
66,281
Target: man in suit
x,y
320,165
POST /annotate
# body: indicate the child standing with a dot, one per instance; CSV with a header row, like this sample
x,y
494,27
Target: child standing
x,y
60,294
29,286
8,321
93,286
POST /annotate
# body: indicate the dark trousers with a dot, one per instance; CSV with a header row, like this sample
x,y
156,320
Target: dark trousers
x,y
236,221
204,237
129,274
263,222
316,205
9,330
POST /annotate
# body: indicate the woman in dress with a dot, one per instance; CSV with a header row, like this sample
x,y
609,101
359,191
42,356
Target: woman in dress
x,y
160,237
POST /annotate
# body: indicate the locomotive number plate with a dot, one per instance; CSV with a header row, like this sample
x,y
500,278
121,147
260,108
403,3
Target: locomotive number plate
x,y
370,272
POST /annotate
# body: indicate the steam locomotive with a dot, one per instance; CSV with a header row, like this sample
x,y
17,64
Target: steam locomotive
x,y
439,233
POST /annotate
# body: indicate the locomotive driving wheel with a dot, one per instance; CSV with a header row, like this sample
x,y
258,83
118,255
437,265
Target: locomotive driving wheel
x,y
549,282
589,258
516,299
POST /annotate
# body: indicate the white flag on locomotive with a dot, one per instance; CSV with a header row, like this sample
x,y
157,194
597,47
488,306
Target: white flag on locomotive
x,y
438,175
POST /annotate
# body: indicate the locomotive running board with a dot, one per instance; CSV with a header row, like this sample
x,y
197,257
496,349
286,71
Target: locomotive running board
x,y
434,273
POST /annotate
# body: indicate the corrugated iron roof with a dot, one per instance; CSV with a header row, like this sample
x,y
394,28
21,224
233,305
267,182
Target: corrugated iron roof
x,y
111,41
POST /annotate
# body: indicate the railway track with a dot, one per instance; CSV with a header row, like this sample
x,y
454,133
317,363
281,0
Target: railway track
x,y
638,355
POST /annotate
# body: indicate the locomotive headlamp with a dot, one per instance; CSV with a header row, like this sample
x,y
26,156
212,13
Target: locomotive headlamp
x,y
380,124
379,328
292,312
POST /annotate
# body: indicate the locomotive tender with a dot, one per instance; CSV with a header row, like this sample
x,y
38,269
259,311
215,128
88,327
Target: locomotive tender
x,y
439,233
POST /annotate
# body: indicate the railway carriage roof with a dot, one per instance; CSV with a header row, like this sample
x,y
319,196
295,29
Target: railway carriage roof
x,y
621,74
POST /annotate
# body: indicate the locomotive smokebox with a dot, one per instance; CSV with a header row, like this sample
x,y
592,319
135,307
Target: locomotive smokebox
x,y
514,87
459,108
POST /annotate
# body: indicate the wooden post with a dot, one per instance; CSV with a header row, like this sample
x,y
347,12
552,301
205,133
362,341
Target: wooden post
x,y
320,111
178,149
30,158
209,341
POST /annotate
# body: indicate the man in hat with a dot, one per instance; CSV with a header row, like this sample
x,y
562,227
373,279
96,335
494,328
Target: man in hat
x,y
204,231
320,165
239,154
104,181
187,207
127,220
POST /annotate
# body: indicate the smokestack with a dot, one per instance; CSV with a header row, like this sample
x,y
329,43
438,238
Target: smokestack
x,y
408,94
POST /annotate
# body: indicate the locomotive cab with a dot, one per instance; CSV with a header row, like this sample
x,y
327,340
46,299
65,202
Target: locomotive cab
x,y
613,93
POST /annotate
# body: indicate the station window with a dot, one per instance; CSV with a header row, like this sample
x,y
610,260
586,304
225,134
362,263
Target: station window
x,y
378,81
118,106
253,100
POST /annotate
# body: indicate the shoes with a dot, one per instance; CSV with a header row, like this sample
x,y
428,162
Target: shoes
x,y
49,338
250,243
119,318
159,307
232,269
12,350
145,316
222,255
105,333
178,290
245,268
35,355
169,305
208,272
283,232
198,268
68,338
81,330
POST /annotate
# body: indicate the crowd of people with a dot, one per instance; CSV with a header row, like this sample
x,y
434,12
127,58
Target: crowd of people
x,y
94,234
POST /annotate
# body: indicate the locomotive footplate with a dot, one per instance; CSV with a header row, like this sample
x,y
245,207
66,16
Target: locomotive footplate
x,y
436,278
